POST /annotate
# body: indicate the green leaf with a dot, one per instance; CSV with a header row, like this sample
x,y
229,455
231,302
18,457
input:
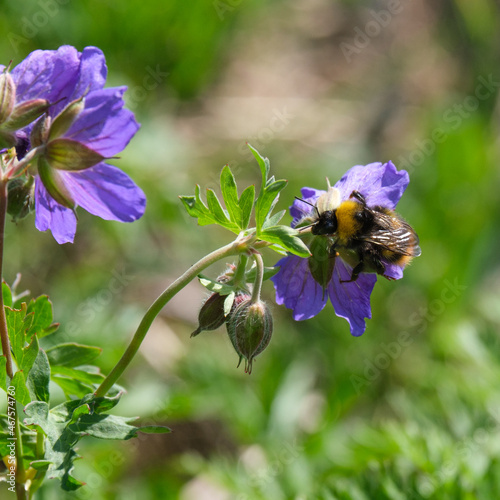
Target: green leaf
x,y
273,220
72,387
41,309
41,465
213,214
215,286
87,374
3,373
287,238
154,429
72,354
61,440
16,325
230,196
39,378
197,209
21,391
7,294
216,209
228,303
266,201
263,164
112,427
246,205
29,355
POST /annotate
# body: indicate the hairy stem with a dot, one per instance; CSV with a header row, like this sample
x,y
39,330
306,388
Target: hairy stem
x,y
233,248
258,278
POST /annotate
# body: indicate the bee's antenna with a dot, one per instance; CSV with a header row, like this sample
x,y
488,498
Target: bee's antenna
x,y
310,204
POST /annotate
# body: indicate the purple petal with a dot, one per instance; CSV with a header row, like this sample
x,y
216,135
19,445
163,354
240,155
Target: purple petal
x,y
46,73
92,73
104,125
297,289
50,215
107,192
381,184
351,300
299,209
393,271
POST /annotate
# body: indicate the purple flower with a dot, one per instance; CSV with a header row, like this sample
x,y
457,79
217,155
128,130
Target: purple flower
x,y
296,288
86,125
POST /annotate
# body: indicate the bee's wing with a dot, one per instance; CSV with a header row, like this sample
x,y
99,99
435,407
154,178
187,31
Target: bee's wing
x,y
394,234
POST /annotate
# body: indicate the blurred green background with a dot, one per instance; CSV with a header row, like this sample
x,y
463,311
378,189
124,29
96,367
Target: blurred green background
x,y
409,410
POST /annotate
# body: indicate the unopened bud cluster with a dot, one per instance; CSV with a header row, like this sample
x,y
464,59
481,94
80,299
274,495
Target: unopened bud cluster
x,y
250,328
249,323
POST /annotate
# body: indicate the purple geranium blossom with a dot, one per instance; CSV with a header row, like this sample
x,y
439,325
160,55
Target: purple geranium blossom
x,y
381,184
103,126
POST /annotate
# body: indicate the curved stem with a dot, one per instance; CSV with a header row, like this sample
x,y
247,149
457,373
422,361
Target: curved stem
x,y
4,334
258,278
232,249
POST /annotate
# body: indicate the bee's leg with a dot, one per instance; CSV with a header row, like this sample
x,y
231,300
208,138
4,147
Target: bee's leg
x,y
358,196
357,269
378,265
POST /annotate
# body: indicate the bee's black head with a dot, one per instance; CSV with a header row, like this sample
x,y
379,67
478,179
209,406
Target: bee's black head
x,y
326,224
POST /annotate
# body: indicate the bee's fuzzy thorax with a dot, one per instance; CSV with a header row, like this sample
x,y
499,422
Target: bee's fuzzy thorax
x,y
348,224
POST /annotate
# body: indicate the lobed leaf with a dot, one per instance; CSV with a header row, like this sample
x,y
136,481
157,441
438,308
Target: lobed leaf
x,y
287,238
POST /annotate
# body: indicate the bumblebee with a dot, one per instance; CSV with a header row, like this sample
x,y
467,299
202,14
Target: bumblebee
x,y
364,236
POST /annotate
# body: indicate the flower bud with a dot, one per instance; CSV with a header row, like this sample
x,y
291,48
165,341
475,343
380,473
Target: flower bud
x,y
250,327
26,112
211,315
21,198
7,96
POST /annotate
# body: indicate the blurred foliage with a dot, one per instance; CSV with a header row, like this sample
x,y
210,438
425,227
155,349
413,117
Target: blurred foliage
x,y
409,410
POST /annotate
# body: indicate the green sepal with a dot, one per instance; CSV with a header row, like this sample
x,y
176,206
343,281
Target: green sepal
x,y
70,155
53,183
65,119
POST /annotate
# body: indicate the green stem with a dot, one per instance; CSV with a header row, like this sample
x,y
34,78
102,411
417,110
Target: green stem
x,y
239,275
258,278
21,493
4,334
234,248
40,454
